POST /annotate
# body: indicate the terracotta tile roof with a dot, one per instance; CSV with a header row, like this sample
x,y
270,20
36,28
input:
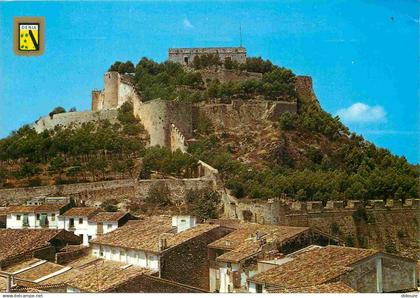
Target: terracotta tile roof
x,y
21,209
243,233
144,234
91,274
16,241
104,275
241,243
107,216
50,207
87,273
24,264
35,208
334,287
81,211
241,252
313,267
39,271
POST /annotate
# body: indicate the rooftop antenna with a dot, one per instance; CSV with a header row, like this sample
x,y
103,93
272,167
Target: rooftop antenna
x,y
240,34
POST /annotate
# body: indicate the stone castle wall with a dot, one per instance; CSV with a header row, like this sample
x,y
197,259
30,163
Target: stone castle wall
x,y
241,113
73,118
157,116
227,75
117,90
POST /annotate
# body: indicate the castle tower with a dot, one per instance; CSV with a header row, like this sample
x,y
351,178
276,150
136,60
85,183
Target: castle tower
x,y
111,90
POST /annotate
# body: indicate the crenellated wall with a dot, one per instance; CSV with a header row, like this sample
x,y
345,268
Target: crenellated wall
x,y
118,89
391,226
177,140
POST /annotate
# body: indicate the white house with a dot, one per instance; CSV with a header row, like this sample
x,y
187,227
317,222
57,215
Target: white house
x,y
337,269
238,256
34,216
89,222
141,242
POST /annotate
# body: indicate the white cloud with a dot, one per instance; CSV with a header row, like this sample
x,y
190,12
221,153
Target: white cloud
x,y
362,113
187,24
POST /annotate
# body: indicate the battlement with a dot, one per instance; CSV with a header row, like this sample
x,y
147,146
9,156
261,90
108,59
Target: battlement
x,y
186,56
177,139
293,207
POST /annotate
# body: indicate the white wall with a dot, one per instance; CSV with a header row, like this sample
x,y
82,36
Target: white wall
x,y
13,223
253,288
183,222
133,257
80,229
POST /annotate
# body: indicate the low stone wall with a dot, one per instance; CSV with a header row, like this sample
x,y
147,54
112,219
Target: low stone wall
x,y
93,194
177,187
73,118
80,191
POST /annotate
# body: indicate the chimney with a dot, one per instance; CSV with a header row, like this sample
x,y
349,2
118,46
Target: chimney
x,y
162,243
9,283
183,222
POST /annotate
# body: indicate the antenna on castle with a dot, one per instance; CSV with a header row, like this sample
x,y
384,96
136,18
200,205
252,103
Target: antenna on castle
x,y
240,34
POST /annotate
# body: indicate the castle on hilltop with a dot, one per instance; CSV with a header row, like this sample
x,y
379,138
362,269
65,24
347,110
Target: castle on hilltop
x,y
170,123
185,56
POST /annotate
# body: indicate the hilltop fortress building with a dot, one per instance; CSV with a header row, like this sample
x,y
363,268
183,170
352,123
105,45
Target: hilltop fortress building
x,y
186,56
170,123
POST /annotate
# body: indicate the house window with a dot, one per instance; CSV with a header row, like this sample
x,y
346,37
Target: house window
x,y
109,226
259,288
183,221
18,217
101,253
53,217
71,222
38,216
80,221
89,238
25,222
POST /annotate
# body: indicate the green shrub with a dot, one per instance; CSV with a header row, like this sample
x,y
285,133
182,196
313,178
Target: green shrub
x,y
159,194
287,121
57,110
203,203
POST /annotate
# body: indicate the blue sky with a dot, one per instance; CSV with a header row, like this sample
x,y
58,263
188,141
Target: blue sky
x,y
362,55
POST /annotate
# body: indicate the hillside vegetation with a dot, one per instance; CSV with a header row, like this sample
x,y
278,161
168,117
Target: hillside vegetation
x,y
307,156
90,152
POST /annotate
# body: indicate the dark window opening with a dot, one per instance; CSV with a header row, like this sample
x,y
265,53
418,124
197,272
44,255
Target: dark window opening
x,y
186,60
259,288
